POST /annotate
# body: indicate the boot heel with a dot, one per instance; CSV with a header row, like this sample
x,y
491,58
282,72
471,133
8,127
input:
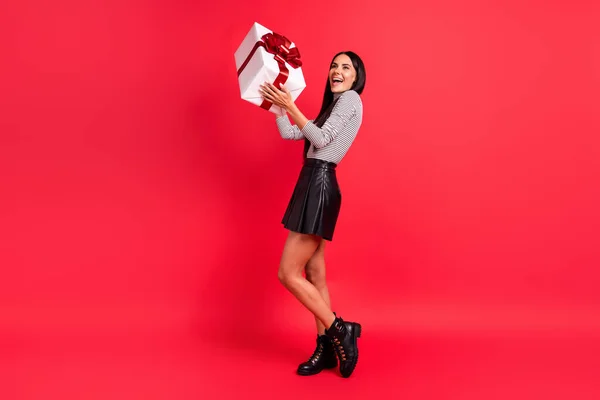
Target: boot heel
x,y
344,336
358,329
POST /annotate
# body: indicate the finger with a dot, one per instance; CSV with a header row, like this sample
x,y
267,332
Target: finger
x,y
285,91
274,88
265,87
272,96
266,91
273,99
269,85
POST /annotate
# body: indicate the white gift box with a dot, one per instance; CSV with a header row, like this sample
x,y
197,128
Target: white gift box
x,y
262,66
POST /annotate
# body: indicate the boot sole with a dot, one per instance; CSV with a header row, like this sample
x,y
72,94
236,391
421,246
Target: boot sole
x,y
307,373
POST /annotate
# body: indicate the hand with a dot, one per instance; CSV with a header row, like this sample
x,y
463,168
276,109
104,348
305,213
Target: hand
x,y
280,97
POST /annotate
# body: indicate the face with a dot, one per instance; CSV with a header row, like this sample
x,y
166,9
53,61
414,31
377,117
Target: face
x,y
341,74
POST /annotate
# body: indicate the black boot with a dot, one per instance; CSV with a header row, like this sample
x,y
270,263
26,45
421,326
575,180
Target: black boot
x,y
323,357
344,336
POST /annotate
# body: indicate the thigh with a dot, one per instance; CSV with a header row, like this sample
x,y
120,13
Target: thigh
x,y
298,249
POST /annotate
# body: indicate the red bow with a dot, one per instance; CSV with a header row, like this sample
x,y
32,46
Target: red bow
x,y
279,46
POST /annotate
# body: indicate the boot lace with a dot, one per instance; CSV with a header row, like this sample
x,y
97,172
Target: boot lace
x,y
339,348
317,354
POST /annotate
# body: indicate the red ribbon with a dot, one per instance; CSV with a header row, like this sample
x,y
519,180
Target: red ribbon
x,y
279,46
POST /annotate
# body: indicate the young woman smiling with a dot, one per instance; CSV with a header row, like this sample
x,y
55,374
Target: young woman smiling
x,y
313,210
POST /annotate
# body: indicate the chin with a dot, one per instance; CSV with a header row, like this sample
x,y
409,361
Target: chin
x,y
337,89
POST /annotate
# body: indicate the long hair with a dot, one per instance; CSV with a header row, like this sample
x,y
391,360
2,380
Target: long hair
x,y
328,103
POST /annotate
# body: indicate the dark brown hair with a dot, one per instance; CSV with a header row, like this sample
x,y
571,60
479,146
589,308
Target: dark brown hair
x,y
327,105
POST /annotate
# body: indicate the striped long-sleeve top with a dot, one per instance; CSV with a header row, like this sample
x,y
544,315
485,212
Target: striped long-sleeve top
x,y
332,141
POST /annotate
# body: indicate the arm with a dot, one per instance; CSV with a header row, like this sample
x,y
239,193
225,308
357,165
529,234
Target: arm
x,y
287,130
283,98
297,115
342,112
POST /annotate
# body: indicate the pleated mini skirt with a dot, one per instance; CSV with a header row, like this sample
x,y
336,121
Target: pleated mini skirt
x,y
315,203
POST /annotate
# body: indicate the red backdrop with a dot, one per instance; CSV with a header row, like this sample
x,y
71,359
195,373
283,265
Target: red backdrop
x,y
141,200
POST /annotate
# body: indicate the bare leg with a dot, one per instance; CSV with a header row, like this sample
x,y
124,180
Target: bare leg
x,y
315,274
298,250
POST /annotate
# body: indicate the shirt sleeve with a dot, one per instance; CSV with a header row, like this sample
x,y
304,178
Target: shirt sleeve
x,y
287,130
342,112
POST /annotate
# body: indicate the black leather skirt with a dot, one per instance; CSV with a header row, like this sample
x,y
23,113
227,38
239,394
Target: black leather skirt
x,y
316,201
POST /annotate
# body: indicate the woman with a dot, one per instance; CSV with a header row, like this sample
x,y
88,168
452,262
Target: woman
x,y
313,210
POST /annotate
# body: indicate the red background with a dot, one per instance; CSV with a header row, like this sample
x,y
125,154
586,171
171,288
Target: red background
x,y
141,201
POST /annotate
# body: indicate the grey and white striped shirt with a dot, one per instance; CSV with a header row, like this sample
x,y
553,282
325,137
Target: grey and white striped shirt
x,y
332,141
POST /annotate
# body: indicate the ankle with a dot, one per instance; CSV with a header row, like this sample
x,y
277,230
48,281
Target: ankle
x,y
329,323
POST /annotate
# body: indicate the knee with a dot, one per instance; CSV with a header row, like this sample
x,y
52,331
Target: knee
x,y
284,277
